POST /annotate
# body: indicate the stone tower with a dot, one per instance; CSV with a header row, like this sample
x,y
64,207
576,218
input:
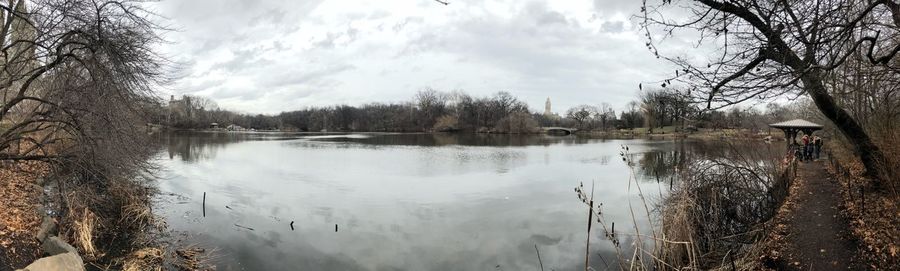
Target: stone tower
x,y
547,111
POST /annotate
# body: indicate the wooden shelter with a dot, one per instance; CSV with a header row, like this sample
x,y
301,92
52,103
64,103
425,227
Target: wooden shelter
x,y
792,127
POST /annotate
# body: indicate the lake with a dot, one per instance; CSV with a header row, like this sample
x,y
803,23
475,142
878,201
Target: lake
x,y
404,201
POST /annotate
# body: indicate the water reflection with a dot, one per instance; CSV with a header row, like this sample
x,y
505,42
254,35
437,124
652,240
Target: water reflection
x,y
403,202
661,164
463,139
193,146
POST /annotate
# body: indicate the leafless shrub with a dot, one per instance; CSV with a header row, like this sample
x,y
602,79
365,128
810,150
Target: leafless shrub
x,y
76,76
718,203
719,206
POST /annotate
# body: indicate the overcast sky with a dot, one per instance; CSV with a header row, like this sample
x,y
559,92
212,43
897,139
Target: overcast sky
x,y
272,56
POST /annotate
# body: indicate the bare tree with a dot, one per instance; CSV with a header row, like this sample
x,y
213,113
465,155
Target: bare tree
x,y
75,76
605,114
582,115
766,49
432,103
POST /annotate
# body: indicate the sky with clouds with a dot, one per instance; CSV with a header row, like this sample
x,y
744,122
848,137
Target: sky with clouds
x,y
269,56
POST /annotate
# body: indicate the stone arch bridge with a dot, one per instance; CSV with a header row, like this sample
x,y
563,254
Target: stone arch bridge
x,y
559,130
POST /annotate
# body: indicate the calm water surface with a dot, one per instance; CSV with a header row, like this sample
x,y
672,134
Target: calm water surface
x,y
402,202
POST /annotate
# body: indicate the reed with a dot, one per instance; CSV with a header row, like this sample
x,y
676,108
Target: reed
x,y
713,209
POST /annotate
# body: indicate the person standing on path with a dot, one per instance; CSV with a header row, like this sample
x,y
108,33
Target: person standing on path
x,y
817,144
804,149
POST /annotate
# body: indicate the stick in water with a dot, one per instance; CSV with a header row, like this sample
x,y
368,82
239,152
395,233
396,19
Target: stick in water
x,y
244,227
335,227
292,225
539,257
204,204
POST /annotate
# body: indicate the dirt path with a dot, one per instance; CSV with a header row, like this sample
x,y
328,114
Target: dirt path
x,y
818,236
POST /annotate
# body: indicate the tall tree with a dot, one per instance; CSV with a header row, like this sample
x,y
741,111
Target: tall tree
x,y
605,114
582,115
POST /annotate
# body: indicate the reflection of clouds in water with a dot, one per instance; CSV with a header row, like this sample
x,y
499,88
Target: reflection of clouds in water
x,y
326,213
545,240
601,160
244,254
404,207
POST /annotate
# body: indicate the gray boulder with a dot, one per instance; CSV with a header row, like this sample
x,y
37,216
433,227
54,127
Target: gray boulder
x,y
60,262
48,228
53,246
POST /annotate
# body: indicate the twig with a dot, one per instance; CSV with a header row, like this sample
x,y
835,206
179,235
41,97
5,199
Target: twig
x,y
245,227
587,247
539,257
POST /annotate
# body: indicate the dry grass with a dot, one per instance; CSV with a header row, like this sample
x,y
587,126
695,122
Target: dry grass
x,y
677,226
136,201
146,259
193,257
108,220
83,230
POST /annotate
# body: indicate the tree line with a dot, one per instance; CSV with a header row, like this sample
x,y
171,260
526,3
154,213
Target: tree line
x,y
430,110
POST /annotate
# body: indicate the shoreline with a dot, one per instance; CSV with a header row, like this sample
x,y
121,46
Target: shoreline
x,y
721,134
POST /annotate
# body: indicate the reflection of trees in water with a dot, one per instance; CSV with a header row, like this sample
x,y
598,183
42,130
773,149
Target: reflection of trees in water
x,y
663,164
464,139
195,146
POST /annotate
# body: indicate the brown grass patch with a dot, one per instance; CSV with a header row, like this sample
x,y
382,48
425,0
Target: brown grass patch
x,y
146,259
84,229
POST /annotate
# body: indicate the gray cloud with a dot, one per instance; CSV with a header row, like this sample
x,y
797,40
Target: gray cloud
x,y
294,78
613,26
272,16
269,56
617,6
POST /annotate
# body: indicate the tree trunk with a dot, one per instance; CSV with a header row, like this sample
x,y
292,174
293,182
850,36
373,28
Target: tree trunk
x,y
868,152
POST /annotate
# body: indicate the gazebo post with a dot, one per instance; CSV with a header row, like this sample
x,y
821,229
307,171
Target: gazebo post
x,y
788,137
794,133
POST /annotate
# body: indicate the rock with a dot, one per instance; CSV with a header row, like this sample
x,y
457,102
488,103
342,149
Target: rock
x,y
53,246
48,228
61,262
40,209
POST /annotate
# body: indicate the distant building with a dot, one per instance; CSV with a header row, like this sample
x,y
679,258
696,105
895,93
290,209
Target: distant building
x,y
179,110
233,127
547,111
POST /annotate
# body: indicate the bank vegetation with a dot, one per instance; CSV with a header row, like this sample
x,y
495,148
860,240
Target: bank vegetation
x,y
76,82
